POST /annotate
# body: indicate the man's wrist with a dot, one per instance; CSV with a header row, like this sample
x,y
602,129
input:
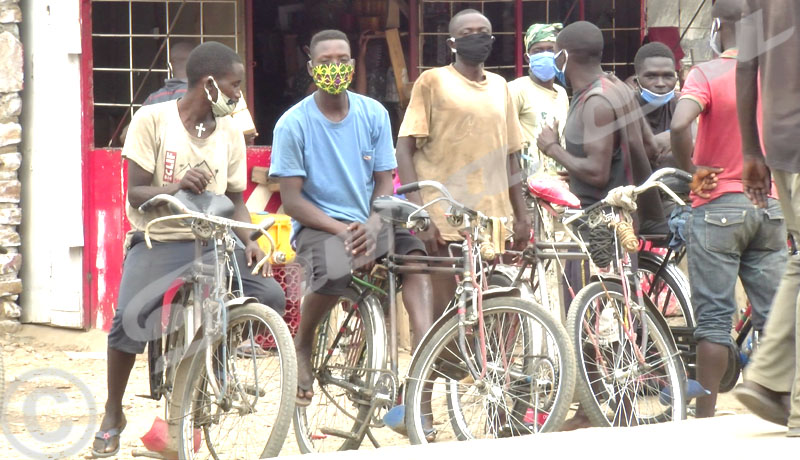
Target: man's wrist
x,y
546,149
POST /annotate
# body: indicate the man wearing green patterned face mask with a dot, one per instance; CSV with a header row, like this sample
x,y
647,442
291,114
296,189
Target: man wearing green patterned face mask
x,y
332,154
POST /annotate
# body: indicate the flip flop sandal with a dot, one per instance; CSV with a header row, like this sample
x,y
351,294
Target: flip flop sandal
x,y
106,437
303,401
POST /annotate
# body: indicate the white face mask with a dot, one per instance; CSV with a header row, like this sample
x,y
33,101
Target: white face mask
x,y
715,46
224,106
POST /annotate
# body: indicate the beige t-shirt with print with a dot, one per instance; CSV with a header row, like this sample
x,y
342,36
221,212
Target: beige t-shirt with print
x,y
538,106
159,143
464,132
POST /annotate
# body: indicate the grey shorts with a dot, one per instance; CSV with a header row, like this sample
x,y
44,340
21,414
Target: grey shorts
x,y
327,265
730,238
146,276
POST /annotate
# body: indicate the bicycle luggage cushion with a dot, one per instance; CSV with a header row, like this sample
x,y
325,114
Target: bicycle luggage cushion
x,y
207,203
553,191
397,211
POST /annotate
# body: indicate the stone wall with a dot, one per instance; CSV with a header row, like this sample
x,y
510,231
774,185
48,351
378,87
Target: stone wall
x,y
11,72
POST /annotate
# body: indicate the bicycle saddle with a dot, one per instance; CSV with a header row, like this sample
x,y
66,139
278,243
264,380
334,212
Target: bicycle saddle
x,y
553,191
397,211
207,203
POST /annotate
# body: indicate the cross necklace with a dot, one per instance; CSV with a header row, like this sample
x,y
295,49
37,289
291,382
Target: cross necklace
x,y
200,128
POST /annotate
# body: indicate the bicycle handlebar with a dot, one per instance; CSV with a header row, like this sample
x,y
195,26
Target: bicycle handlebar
x,y
183,212
415,186
633,192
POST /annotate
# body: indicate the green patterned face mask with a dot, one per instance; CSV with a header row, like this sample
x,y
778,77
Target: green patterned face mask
x,y
333,78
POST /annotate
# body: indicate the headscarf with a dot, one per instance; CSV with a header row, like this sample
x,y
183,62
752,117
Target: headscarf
x,y
542,33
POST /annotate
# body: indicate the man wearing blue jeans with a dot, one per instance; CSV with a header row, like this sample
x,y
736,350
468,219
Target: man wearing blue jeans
x,y
770,46
727,235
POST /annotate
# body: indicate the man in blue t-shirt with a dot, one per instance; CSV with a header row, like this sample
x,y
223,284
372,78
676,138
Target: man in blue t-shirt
x,y
332,154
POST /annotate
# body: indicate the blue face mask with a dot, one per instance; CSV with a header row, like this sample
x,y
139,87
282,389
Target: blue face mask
x,y
543,65
657,99
560,73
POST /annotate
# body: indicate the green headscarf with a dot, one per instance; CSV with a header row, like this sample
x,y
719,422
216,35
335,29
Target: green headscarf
x,y
542,33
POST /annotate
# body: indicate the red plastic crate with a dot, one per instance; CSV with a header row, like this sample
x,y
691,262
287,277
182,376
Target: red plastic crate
x,y
289,276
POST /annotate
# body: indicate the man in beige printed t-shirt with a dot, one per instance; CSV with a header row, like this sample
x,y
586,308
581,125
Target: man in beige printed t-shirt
x,y
461,129
188,146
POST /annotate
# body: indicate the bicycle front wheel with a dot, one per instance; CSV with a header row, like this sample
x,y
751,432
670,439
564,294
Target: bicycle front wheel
x,y
525,384
629,368
255,404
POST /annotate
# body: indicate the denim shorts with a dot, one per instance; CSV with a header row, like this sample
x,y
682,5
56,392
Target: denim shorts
x,y
729,238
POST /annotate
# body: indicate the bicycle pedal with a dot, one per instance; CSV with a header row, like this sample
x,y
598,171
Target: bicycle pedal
x,y
337,433
149,397
251,390
150,454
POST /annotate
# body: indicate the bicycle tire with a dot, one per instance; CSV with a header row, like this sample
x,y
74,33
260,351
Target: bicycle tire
x,y
597,403
436,357
198,410
333,407
2,384
672,290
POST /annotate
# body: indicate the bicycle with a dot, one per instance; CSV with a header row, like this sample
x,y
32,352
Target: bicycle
x,y
540,265
213,392
631,372
512,355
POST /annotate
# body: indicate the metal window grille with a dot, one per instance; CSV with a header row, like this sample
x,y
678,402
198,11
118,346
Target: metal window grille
x,y
620,21
126,37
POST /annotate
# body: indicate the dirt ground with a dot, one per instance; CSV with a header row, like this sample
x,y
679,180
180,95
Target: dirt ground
x,y
55,391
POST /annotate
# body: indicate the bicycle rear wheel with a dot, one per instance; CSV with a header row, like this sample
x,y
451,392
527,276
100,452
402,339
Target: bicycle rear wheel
x,y
627,376
348,343
669,291
527,383
253,416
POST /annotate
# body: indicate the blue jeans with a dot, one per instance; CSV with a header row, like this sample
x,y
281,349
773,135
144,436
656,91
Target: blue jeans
x,y
730,238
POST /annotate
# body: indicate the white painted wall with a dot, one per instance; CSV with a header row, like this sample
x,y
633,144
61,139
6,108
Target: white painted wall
x,y
51,173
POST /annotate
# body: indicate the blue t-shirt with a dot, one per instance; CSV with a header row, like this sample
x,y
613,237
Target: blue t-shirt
x,y
337,160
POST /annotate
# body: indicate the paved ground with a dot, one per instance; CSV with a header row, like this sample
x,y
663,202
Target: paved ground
x,y
733,437
46,370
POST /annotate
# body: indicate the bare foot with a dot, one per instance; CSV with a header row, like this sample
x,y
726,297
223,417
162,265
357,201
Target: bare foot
x,y
305,377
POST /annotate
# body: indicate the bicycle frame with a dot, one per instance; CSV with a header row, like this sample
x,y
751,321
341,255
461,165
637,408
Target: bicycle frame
x,y
206,321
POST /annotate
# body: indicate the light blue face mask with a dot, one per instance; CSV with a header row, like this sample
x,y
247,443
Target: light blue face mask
x,y
543,65
561,73
657,99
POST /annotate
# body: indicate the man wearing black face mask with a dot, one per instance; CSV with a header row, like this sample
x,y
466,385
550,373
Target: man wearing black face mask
x,y
461,129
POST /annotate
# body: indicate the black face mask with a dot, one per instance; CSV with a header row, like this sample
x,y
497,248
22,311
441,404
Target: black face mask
x,y
474,48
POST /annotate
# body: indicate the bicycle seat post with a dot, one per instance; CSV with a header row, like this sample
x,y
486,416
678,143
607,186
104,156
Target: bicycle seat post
x,y
392,311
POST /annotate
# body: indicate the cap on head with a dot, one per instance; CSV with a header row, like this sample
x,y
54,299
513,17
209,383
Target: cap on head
x,y
541,33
